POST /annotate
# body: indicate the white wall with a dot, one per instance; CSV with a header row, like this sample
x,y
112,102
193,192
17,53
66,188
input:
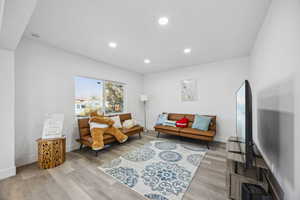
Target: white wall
x,y
7,102
273,63
2,2
217,84
45,84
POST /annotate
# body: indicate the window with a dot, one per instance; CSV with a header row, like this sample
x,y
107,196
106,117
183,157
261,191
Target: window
x,y
114,97
93,95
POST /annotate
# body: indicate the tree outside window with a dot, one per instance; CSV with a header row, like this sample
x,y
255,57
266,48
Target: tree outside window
x,y
114,97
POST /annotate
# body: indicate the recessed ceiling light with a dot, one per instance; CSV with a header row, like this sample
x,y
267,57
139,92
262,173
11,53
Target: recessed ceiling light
x,y
163,21
187,50
112,45
147,61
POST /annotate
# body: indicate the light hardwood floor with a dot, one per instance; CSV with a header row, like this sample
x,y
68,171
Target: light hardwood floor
x,y
79,179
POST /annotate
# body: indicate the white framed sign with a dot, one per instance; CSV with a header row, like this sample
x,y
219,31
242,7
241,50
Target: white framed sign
x,y
53,126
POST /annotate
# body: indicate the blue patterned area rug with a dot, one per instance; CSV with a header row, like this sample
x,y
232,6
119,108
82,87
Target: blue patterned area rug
x,y
159,170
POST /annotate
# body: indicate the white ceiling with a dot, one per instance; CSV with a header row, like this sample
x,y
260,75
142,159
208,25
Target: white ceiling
x,y
14,15
214,29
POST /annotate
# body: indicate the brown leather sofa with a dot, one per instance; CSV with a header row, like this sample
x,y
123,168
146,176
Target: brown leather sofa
x,y
87,140
188,132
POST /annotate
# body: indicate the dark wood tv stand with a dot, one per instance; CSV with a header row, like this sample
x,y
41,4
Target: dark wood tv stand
x,y
236,172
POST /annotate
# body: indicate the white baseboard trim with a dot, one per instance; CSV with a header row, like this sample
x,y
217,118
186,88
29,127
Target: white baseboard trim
x,y
25,160
8,172
73,147
29,159
220,139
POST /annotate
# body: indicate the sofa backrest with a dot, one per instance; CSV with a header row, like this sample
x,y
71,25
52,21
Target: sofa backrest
x,y
190,117
175,116
84,127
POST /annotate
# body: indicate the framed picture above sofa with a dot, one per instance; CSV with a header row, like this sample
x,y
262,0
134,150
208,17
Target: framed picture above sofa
x,y
189,90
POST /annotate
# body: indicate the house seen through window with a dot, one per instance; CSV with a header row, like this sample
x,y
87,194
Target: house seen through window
x,y
93,95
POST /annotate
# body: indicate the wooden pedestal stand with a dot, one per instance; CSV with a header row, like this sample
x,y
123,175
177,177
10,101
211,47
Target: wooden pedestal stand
x,y
236,173
51,152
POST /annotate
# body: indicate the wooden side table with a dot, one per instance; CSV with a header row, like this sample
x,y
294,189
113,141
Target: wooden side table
x,y
51,152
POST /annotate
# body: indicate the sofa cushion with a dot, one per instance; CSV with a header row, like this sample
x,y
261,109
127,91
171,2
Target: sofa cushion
x,y
190,117
130,123
89,138
161,118
97,125
175,117
85,131
193,131
213,123
135,128
168,128
84,127
169,123
201,122
124,117
117,121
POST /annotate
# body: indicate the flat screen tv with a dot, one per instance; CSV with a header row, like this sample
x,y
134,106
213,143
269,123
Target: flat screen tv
x,y
244,122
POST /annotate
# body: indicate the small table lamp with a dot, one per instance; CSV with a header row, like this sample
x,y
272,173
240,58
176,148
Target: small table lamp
x,y
144,99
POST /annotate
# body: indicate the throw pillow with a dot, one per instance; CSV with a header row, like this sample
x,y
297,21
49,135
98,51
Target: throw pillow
x,y
129,123
169,123
161,119
201,122
182,123
97,125
117,121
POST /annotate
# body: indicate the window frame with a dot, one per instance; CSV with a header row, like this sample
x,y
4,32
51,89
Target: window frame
x,y
104,96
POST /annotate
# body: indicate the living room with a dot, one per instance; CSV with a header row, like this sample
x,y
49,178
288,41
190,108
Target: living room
x,y
156,60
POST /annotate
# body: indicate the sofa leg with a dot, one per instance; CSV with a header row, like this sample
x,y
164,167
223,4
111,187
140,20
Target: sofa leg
x,y
207,144
140,136
81,145
96,153
157,134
